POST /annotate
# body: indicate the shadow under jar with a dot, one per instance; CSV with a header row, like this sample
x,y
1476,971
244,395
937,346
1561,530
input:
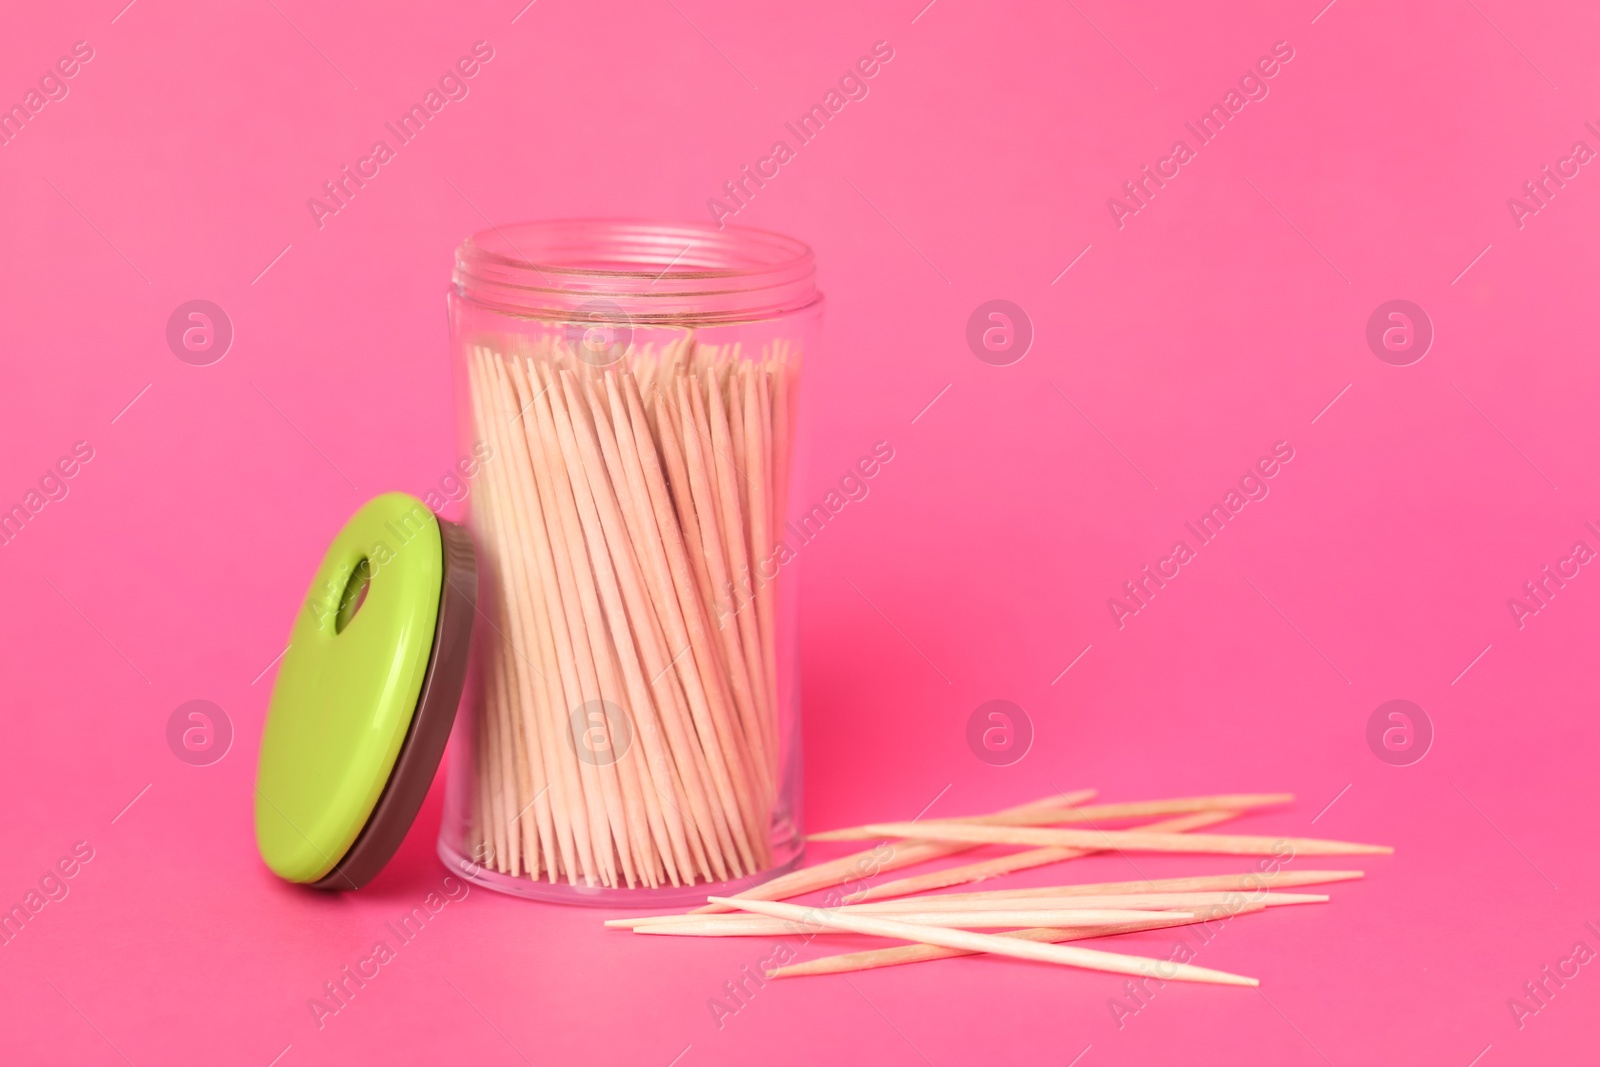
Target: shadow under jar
x,y
628,392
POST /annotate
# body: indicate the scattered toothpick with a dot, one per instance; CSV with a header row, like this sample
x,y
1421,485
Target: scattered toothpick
x,y
1128,840
1090,813
1065,955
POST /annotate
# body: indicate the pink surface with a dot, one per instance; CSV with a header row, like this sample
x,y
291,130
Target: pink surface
x,y
1222,317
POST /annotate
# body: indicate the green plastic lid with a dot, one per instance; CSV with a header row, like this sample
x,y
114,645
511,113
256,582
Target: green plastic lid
x,y
366,695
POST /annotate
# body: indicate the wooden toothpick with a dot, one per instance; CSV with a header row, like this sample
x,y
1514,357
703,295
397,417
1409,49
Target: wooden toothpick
x,y
1065,955
1128,840
902,954
1093,813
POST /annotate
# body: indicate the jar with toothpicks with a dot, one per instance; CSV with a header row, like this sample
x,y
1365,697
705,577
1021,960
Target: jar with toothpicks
x,y
628,392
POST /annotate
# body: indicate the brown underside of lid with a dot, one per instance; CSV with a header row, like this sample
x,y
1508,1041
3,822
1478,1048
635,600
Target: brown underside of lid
x,y
424,745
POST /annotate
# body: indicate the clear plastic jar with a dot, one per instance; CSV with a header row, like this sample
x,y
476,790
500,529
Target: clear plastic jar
x,y
628,392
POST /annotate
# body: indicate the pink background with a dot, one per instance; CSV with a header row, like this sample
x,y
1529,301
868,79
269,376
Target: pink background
x,y
1222,318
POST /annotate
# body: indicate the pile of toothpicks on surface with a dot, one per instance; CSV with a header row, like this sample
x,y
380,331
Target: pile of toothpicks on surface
x,y
1030,923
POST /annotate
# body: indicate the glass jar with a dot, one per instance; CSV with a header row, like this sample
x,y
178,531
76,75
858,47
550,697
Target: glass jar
x,y
628,394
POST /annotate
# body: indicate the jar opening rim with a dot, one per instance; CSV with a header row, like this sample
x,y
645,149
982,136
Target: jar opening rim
x,y
666,271
633,248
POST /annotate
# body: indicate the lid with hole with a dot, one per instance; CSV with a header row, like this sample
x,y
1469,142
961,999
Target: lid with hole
x,y
366,694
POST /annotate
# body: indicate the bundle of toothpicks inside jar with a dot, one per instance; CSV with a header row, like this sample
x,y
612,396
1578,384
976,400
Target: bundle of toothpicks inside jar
x,y
1031,923
627,730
